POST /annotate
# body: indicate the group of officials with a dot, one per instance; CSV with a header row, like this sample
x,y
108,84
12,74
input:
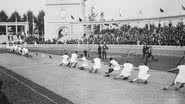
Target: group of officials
x,y
102,51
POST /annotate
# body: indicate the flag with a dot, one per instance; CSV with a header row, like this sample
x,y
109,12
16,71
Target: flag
x,y
115,24
183,8
161,10
72,17
120,13
80,19
50,57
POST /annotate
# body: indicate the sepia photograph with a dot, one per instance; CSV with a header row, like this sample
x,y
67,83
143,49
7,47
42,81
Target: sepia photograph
x,y
92,51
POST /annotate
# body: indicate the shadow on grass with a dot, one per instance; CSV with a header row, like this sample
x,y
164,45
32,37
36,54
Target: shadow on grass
x,y
19,94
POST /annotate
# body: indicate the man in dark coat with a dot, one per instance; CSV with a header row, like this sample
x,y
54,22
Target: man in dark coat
x,y
104,49
147,53
145,48
99,50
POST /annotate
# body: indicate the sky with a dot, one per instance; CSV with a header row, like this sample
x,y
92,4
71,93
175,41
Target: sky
x,y
129,9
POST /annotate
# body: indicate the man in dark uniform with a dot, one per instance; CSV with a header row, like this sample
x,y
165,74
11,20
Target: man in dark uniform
x,y
8,37
104,48
148,54
145,48
3,98
99,50
85,53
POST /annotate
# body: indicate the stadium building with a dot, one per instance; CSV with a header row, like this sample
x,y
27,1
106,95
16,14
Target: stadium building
x,y
66,19
61,16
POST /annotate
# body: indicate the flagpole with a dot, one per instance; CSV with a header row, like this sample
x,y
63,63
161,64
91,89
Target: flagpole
x,y
16,25
182,6
32,25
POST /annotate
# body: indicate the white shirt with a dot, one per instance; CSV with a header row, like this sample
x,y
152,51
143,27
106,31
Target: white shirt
x,y
115,65
24,50
15,48
64,59
11,48
74,57
85,63
8,47
97,63
127,69
181,75
19,49
84,59
143,70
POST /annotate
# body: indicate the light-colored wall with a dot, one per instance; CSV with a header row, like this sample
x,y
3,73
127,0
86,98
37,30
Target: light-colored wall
x,y
58,14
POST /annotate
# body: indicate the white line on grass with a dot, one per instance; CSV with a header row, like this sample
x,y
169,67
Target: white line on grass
x,y
29,87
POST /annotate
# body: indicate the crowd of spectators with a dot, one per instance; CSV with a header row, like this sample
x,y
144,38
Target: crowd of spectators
x,y
150,34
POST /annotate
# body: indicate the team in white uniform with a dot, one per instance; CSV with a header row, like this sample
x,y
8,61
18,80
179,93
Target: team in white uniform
x,y
18,50
84,65
126,71
114,66
180,78
96,65
143,74
65,59
73,61
25,51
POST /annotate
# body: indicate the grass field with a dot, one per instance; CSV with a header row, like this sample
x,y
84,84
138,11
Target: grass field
x,y
19,94
164,62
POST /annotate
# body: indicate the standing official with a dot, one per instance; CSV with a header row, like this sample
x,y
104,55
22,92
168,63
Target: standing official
x,y
104,49
99,50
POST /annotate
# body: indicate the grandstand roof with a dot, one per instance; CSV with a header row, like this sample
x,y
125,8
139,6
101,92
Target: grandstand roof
x,y
13,23
62,2
168,18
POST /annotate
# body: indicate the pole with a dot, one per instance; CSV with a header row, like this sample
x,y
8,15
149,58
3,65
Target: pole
x,y
16,26
32,25
7,30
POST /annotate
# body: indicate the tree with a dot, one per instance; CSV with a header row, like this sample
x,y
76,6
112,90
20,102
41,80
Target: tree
x,y
14,17
24,18
31,19
3,16
40,24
